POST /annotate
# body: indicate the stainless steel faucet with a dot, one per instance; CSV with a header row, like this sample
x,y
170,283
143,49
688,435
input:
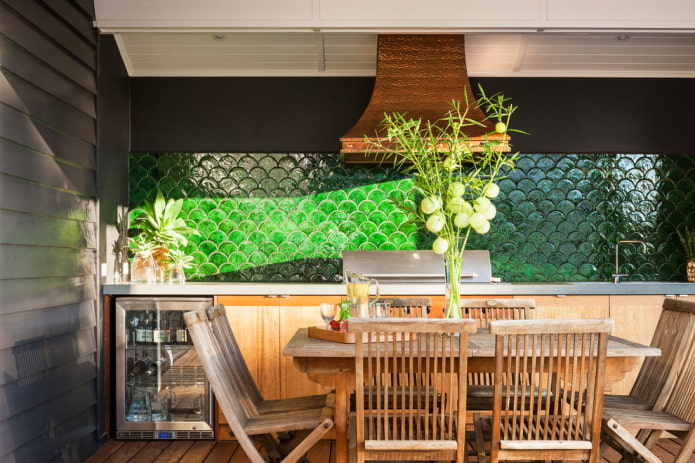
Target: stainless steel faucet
x,y
617,275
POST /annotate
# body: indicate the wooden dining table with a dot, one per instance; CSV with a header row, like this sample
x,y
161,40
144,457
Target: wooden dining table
x,y
332,364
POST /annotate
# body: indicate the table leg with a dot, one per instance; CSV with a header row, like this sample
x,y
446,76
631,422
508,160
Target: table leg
x,y
341,418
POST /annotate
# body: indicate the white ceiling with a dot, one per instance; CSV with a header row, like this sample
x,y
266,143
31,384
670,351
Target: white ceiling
x,y
518,38
558,54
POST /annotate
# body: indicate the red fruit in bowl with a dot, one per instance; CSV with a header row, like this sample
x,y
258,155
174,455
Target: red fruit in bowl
x,y
339,326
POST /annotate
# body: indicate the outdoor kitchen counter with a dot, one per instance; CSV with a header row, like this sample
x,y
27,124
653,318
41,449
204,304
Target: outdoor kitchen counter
x,y
411,289
265,316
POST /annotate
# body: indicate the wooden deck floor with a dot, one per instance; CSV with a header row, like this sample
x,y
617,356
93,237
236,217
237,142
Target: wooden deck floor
x,y
161,451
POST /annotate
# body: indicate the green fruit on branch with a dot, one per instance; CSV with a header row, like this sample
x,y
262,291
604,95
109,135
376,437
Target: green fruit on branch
x,y
491,190
490,212
482,204
458,205
440,245
456,189
430,205
462,220
435,222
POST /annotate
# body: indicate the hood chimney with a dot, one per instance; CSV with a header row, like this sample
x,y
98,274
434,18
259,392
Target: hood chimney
x,y
417,75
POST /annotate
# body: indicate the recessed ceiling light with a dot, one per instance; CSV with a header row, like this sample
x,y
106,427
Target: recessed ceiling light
x,y
218,36
622,37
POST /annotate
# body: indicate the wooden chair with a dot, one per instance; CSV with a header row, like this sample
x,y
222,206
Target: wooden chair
x,y
409,307
220,325
633,424
541,367
483,311
486,310
673,334
417,419
284,430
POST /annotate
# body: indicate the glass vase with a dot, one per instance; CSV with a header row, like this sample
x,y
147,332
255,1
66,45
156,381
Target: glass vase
x,y
143,269
452,282
177,275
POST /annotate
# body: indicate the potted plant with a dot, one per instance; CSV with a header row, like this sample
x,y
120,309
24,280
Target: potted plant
x,y
143,269
176,261
688,240
454,181
161,225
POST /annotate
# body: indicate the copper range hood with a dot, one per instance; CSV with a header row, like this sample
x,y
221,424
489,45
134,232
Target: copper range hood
x,y
419,75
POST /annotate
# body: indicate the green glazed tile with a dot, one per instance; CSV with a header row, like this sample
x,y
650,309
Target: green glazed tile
x,y
237,236
258,236
287,227
347,206
367,206
267,227
268,247
247,227
207,227
368,228
585,201
248,247
218,258
287,248
217,236
227,247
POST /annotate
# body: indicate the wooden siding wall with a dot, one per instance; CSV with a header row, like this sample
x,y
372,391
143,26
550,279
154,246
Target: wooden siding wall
x,y
49,323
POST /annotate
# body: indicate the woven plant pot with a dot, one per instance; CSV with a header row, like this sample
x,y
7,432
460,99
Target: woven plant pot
x,y
690,270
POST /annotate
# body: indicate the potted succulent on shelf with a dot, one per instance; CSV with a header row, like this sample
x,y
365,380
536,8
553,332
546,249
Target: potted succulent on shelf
x,y
176,261
688,240
143,268
159,223
453,180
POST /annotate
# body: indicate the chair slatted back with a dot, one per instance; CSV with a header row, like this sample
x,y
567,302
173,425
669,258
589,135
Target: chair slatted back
x,y
223,379
483,311
674,334
409,307
417,418
681,401
244,381
542,368
486,310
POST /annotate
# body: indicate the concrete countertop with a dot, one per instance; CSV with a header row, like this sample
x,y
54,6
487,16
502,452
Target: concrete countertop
x,y
665,288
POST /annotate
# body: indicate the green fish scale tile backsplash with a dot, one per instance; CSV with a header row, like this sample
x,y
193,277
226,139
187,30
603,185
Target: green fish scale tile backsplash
x,y
288,217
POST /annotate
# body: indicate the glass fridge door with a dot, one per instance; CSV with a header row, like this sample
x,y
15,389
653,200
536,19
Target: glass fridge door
x,y
162,391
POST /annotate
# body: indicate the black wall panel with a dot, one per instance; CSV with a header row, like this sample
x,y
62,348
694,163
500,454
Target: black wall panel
x,y
563,115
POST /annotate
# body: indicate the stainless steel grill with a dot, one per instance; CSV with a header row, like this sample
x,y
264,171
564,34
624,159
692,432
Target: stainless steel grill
x,y
416,266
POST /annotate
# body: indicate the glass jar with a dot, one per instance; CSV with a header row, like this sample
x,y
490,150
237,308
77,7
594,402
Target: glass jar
x,y
143,269
176,275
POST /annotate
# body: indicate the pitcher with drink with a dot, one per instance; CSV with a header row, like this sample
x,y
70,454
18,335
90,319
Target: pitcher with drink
x,y
358,286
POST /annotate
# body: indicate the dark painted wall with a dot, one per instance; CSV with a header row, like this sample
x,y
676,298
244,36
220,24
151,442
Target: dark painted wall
x,y
563,115
113,126
49,317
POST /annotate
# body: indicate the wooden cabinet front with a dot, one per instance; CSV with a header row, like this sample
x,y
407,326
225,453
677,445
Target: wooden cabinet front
x,y
569,306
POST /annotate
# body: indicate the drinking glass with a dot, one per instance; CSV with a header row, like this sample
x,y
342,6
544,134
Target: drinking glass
x,y
328,312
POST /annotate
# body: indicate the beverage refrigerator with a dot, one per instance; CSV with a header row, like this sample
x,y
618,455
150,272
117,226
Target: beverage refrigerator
x,y
161,388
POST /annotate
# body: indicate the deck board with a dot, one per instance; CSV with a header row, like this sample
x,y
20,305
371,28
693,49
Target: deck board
x,y
230,452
